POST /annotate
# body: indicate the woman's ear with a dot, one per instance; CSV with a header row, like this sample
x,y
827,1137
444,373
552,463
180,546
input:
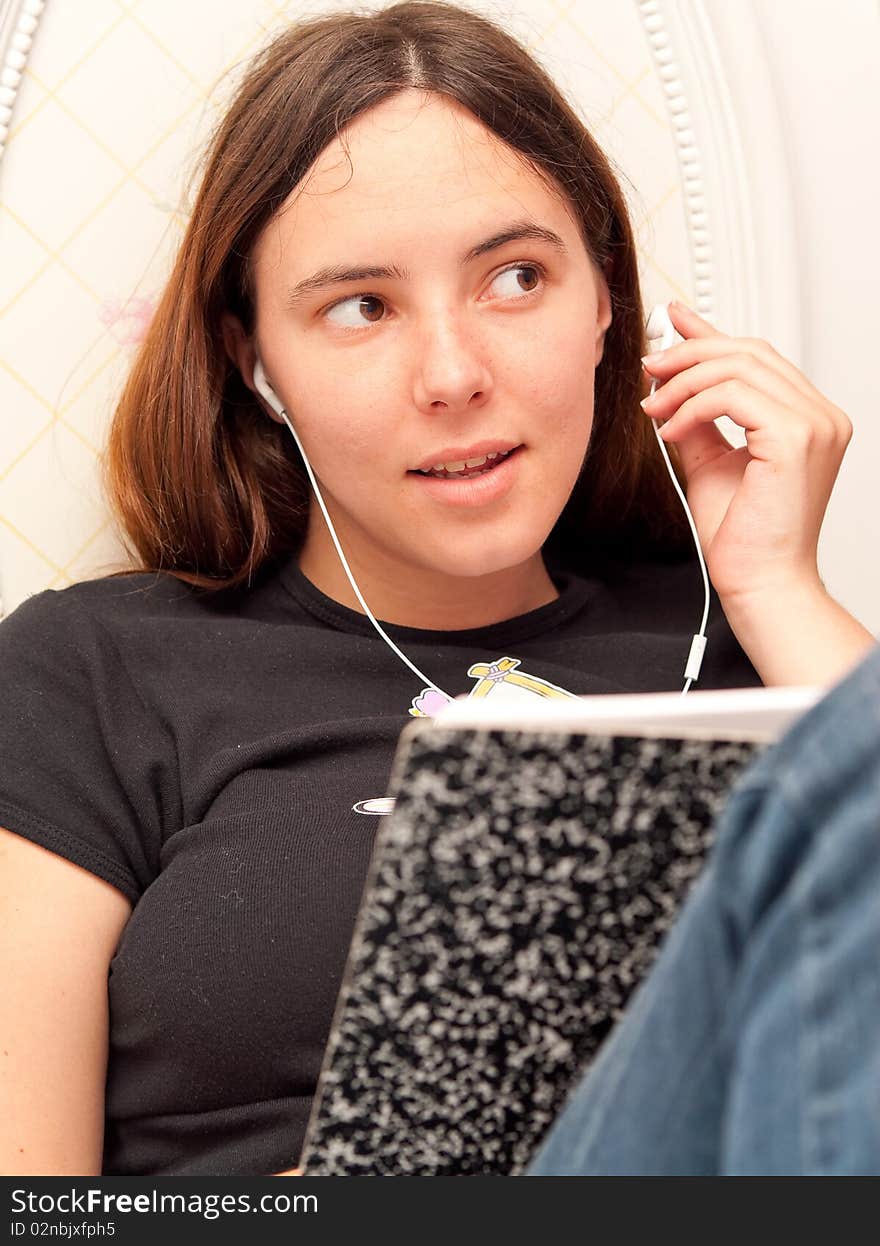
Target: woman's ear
x,y
242,350
604,314
239,347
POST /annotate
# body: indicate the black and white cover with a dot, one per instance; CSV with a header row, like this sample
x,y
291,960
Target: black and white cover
x,y
517,895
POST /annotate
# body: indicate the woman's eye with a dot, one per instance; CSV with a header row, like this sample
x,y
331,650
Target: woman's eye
x,y
515,287
366,308
358,302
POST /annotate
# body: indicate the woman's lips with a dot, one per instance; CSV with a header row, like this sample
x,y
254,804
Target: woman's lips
x,y
487,485
455,454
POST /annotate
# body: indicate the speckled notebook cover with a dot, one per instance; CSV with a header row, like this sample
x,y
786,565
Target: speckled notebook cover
x,y
517,895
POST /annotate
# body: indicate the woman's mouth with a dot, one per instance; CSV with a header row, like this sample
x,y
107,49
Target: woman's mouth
x,y
477,466
475,482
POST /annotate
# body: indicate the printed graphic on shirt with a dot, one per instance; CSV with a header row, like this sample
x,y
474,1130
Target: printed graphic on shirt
x,y
502,680
499,679
379,805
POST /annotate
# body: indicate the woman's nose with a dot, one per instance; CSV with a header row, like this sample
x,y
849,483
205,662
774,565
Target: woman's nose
x,y
451,365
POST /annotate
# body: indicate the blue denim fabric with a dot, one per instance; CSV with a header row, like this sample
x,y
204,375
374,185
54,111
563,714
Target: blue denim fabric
x,y
753,1045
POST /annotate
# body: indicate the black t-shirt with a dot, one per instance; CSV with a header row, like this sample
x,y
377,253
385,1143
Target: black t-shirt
x,y
221,760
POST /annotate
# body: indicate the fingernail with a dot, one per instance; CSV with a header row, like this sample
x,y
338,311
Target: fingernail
x,y
654,358
647,402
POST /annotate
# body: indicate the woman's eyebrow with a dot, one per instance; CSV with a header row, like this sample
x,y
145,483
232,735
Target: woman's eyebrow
x,y
336,274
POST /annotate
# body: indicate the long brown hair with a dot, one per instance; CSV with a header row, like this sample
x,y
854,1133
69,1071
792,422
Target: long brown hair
x,y
209,489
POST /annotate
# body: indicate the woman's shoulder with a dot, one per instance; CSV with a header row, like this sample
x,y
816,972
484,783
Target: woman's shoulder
x,y
115,596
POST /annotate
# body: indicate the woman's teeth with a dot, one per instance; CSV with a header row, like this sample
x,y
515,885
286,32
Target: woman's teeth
x,y
469,467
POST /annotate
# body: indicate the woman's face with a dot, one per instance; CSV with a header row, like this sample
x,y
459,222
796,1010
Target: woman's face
x,y
465,344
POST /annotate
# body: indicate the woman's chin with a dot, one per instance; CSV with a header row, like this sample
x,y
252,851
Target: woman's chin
x,y
499,564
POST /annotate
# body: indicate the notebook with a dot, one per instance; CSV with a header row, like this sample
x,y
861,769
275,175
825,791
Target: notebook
x,y
517,894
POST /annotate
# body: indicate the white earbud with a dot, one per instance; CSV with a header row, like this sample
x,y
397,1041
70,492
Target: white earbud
x,y
265,390
660,326
661,333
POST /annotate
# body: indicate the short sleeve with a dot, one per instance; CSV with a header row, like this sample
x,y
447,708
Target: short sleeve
x,y
87,770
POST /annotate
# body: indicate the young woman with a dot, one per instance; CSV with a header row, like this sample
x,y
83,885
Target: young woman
x,y
403,219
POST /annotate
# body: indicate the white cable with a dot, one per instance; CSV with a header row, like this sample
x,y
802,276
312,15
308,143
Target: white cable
x,y
698,644
428,682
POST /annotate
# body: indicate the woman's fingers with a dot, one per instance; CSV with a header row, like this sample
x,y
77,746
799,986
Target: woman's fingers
x,y
703,445
704,341
772,424
711,374
685,354
725,367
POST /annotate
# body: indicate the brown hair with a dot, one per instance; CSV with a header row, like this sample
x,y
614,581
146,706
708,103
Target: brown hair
x,y
204,484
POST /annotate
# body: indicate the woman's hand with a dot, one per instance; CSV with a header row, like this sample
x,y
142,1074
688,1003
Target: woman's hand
x,y
758,508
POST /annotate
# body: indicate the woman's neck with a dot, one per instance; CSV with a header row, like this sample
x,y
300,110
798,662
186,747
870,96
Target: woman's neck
x,y
425,598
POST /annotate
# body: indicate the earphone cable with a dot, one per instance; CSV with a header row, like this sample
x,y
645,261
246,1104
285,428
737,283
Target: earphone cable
x,y
428,682
698,643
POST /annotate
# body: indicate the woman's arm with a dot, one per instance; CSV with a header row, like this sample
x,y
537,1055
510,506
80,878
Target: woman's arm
x,y
797,634
59,928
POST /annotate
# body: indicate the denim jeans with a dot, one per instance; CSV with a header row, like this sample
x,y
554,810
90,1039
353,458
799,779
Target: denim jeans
x,y
753,1045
